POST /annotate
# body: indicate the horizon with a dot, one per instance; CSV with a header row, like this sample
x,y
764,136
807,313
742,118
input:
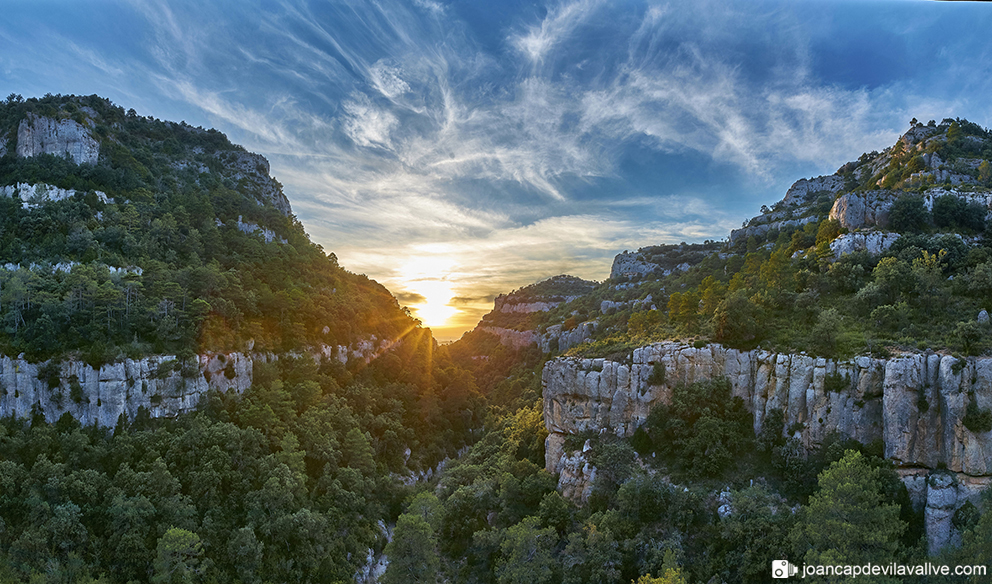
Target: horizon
x,y
454,153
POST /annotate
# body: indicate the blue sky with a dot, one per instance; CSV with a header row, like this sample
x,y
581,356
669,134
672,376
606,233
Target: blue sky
x,y
455,150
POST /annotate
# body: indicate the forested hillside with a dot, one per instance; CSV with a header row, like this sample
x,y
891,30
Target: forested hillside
x,y
890,256
172,239
123,236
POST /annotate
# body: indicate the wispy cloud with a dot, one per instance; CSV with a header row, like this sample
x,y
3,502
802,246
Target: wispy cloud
x,y
584,129
541,38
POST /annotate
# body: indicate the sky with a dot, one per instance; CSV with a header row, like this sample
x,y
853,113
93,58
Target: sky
x,y
455,150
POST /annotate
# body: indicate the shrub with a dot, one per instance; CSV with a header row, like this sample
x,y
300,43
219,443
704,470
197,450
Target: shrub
x,y
75,389
836,382
703,430
657,376
978,420
908,215
50,373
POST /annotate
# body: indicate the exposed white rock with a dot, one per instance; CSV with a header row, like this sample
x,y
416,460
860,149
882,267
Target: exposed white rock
x,y
983,316
511,337
761,230
41,193
40,135
562,340
882,401
630,263
158,383
507,303
941,499
575,472
871,208
256,168
874,242
267,234
375,565
803,189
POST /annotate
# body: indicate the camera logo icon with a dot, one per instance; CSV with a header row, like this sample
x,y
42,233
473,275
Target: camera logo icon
x,y
783,569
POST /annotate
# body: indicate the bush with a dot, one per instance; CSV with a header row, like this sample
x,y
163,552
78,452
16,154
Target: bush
x,y
703,430
657,376
823,337
978,420
836,382
908,215
50,373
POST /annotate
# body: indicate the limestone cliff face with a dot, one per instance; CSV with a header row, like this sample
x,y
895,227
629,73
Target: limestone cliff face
x,y
630,263
804,190
40,135
255,168
882,400
512,338
871,208
873,242
100,396
158,383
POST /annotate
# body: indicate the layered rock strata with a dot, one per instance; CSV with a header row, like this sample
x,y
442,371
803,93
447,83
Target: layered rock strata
x,y
915,403
159,383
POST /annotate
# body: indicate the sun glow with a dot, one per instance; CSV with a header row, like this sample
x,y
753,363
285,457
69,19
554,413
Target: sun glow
x,y
425,277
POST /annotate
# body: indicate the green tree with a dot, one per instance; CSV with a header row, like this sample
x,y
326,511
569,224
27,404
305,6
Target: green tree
x,y
825,333
930,282
413,555
735,320
526,554
591,556
847,520
985,173
908,215
179,558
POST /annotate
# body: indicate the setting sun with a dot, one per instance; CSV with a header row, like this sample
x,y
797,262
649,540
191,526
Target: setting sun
x,y
425,277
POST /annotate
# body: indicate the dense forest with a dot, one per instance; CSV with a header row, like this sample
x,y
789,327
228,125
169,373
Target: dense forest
x,y
147,253
323,467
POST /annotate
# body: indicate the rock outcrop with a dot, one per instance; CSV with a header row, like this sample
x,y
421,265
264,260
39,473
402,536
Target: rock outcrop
x,y
915,403
759,229
630,263
100,396
556,338
161,384
871,208
874,242
805,190
255,168
40,135
3,147
881,399
512,338
575,473
32,195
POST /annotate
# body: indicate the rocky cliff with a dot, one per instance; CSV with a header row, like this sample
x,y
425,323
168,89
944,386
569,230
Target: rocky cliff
x,y
915,403
871,208
159,383
40,135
